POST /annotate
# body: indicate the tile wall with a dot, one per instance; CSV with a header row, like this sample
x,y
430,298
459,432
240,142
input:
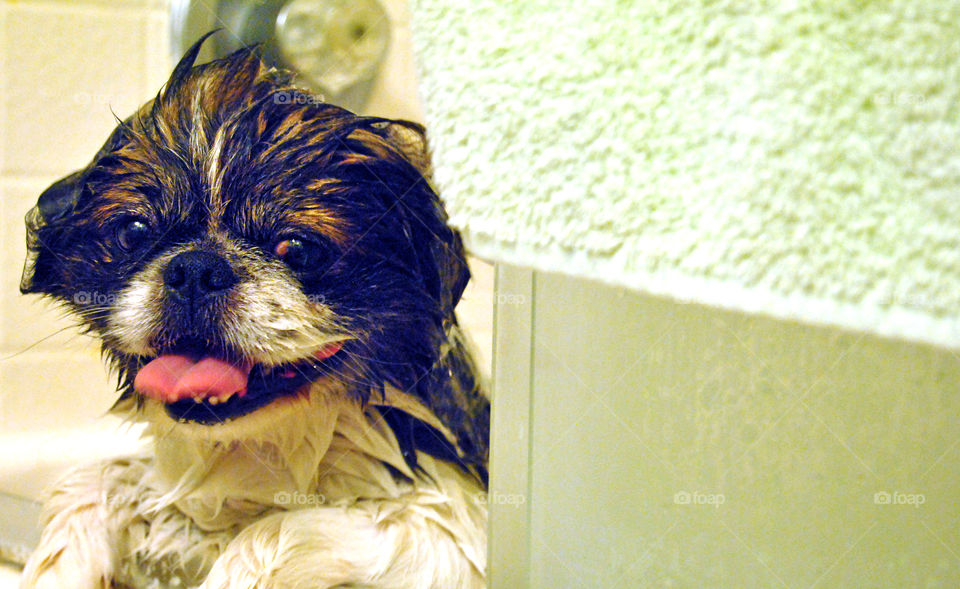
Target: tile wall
x,y
64,66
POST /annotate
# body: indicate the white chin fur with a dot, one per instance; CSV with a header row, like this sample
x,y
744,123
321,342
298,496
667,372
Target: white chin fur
x,y
307,480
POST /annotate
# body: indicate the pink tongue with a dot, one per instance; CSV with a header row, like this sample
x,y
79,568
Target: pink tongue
x,y
173,377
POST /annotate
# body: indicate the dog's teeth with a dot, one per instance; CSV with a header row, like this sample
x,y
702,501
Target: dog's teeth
x,y
213,400
197,400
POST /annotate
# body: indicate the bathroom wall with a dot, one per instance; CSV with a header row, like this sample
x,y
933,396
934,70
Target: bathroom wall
x,y
65,66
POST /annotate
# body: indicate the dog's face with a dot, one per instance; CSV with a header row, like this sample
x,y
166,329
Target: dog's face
x,y
237,239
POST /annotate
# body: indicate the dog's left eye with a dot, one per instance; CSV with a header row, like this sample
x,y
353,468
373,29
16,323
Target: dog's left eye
x,y
301,255
133,235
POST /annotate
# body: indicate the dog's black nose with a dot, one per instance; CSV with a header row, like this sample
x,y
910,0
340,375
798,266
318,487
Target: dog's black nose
x,y
192,275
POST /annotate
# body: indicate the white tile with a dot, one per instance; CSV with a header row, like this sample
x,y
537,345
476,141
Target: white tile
x,y
475,311
66,66
4,83
53,390
159,61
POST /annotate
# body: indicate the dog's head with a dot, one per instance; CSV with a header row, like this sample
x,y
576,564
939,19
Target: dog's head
x,y
237,239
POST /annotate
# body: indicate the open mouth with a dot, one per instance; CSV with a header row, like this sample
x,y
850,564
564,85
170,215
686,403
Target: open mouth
x,y
209,390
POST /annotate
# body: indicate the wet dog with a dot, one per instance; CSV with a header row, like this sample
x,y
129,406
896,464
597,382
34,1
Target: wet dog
x,y
275,285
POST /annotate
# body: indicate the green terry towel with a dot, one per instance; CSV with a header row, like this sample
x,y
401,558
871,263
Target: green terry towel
x,y
800,159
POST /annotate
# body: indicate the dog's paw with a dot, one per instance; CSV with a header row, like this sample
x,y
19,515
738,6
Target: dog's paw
x,y
319,548
386,545
66,570
77,548
75,556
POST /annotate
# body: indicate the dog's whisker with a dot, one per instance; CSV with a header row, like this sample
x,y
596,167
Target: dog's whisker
x,y
66,328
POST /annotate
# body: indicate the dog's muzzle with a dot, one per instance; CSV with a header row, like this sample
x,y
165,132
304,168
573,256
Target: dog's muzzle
x,y
189,373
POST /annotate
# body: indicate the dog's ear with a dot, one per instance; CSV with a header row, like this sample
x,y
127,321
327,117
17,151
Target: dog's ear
x,y
439,248
55,205
452,267
411,139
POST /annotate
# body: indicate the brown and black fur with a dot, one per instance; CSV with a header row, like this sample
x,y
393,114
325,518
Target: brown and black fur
x,y
392,270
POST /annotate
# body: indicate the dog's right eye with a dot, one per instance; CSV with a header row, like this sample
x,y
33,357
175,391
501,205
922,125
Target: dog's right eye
x,y
302,255
133,235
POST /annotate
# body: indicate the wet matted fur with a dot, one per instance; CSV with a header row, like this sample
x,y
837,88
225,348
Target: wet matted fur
x,y
356,452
